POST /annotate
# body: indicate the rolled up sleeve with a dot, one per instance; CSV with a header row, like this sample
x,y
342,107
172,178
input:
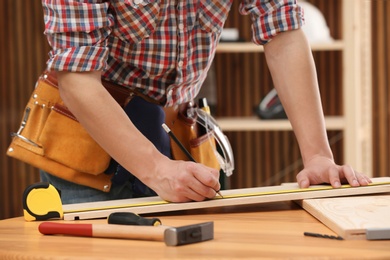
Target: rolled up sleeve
x,y
77,33
270,18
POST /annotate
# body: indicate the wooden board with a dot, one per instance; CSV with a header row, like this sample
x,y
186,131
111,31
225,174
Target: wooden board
x,y
352,217
230,198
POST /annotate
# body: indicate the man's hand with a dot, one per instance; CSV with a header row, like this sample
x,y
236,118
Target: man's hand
x,y
182,181
320,170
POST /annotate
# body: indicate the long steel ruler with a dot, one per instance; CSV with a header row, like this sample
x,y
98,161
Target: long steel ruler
x,y
232,197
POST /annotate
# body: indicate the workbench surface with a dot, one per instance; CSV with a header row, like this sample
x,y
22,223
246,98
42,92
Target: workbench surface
x,y
270,230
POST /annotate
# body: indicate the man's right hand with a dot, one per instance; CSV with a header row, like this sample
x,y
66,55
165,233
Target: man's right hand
x,y
182,181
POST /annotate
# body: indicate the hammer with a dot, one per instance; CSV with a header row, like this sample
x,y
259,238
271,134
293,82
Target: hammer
x,y
172,236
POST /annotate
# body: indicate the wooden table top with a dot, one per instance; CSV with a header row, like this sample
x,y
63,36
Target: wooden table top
x,y
271,230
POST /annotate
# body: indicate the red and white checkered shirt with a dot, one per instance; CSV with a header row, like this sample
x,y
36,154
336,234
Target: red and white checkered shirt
x,y
162,47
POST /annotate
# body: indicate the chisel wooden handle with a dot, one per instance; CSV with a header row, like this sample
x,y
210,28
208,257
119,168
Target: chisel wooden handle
x,y
104,230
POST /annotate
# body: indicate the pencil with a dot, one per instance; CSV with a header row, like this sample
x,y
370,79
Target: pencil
x,y
181,146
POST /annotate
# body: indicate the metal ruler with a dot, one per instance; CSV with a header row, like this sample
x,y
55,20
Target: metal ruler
x,y
231,197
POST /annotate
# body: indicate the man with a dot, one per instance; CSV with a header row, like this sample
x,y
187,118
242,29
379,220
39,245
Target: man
x,y
164,48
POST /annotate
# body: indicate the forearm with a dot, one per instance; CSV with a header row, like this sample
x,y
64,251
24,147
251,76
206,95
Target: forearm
x,y
107,123
293,71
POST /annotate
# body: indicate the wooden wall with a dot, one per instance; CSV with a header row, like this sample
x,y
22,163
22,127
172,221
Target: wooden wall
x,y
381,85
23,53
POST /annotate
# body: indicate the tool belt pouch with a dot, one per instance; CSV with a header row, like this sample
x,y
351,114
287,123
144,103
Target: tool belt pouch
x,y
50,138
202,146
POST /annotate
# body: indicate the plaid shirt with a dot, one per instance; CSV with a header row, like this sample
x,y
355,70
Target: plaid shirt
x,y
162,47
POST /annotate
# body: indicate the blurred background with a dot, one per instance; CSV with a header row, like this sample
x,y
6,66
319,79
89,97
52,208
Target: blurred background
x,y
262,157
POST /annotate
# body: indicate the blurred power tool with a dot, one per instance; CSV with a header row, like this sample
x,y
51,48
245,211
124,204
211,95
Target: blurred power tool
x,y
270,107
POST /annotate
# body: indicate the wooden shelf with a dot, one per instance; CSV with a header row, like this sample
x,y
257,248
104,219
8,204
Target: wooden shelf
x,y
256,124
241,47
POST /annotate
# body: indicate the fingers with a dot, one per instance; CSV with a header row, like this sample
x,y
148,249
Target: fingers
x,y
303,179
207,181
363,179
307,177
187,191
353,177
332,174
349,175
334,177
195,182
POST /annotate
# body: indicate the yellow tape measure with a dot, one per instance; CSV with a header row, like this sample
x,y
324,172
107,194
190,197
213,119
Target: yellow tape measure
x,y
42,201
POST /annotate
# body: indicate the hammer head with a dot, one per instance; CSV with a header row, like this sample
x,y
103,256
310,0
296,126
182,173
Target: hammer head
x,y
189,234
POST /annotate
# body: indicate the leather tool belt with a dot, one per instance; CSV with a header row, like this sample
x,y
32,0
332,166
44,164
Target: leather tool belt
x,y
50,137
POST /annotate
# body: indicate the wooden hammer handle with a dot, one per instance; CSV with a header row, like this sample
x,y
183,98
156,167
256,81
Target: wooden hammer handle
x,y
104,230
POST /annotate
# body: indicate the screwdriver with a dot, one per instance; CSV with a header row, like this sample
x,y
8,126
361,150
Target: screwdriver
x,y
129,218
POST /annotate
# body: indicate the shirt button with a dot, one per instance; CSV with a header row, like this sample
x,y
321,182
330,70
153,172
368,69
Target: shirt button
x,y
180,63
181,26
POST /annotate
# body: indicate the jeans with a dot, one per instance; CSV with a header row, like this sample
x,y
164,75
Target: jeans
x,y
148,118
75,193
